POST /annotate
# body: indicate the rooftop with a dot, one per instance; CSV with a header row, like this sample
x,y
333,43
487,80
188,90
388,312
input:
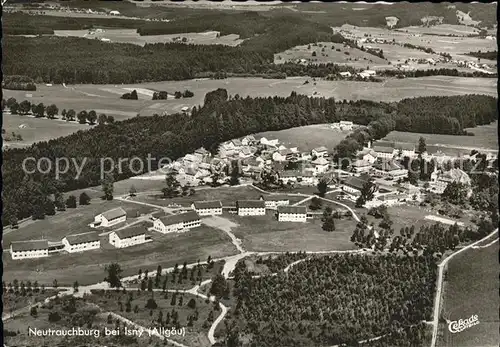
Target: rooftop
x,y
383,149
355,182
130,232
250,204
32,245
114,213
292,209
82,238
320,149
200,205
180,218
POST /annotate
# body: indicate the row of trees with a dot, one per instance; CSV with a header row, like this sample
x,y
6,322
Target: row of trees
x,y
25,107
18,83
162,95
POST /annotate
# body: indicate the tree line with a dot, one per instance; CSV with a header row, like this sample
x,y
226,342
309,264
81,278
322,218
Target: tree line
x,y
18,82
436,72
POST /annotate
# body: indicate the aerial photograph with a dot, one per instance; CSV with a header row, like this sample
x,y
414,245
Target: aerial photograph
x,y
249,174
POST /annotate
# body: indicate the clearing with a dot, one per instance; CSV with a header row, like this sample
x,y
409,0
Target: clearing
x,y
471,287
131,36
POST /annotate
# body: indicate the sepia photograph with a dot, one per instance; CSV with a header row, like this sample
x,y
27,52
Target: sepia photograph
x,y
249,174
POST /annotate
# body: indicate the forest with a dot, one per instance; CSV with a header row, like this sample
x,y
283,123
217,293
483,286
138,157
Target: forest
x,y
492,55
436,72
334,299
222,118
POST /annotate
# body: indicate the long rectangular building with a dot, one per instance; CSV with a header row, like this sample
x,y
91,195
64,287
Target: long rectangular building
x,y
177,223
292,213
81,242
251,207
29,249
207,208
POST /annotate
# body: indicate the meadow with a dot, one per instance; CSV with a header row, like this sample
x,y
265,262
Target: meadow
x,y
471,288
106,98
485,137
131,36
164,250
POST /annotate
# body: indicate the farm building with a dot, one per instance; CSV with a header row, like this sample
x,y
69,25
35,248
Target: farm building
x,y
390,169
440,180
177,223
384,151
345,74
320,164
128,237
251,207
29,249
110,218
292,213
407,149
320,151
114,13
81,242
352,186
207,208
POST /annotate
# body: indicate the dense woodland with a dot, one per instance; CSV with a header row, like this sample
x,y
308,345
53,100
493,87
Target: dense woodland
x,y
435,72
492,55
220,119
334,299
18,83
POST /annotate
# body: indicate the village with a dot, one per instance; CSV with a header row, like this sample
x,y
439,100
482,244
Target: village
x,y
382,167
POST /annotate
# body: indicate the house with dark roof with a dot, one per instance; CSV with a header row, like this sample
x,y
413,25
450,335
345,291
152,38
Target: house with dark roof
x,y
207,208
384,151
406,149
292,213
110,218
127,237
352,186
177,223
81,242
389,169
29,249
251,207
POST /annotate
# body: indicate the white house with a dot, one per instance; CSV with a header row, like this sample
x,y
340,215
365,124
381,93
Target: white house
x,y
367,154
384,152
320,164
291,176
29,249
360,166
273,203
81,242
114,13
390,169
320,151
278,156
292,213
251,207
128,237
207,208
345,74
110,218
272,143
352,186
248,140
406,149
177,223
440,180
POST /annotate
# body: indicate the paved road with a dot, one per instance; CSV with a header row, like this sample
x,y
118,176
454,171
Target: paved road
x,y
437,297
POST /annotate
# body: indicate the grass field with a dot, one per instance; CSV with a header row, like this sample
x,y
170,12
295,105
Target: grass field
x,y
16,301
339,54
131,36
307,137
164,250
265,233
106,98
72,221
471,287
195,336
485,137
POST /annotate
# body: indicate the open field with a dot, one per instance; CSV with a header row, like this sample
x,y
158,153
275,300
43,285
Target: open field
x,y
195,336
131,36
164,250
106,98
329,53
485,137
16,301
307,137
471,287
72,221
441,29
265,233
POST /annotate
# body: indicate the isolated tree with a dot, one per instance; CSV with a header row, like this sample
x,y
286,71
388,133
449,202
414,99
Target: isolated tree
x,y
172,186
70,115
187,94
14,108
10,102
54,283
75,286
455,193
59,201
102,119
220,287
151,304
71,201
133,95
322,187
235,176
177,95
64,113
84,199
49,208
132,191
92,117
52,111
422,146
113,277
107,187
316,204
82,117
327,213
329,224
33,312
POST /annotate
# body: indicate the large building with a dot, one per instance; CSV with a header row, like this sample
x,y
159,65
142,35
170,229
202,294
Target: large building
x,y
128,237
352,186
440,180
110,218
292,213
320,151
390,169
81,242
29,249
385,152
271,202
207,208
251,207
177,223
